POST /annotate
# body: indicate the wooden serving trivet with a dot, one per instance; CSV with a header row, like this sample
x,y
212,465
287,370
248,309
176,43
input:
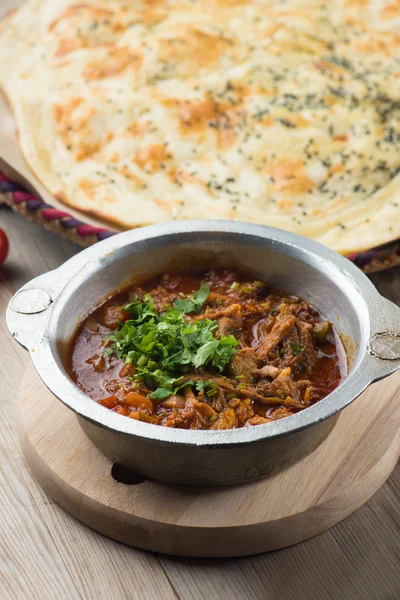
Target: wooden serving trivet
x,y
304,500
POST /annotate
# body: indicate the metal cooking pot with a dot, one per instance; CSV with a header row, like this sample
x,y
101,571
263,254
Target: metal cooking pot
x,y
44,314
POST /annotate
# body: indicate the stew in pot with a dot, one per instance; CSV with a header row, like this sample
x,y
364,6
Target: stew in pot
x,y
211,351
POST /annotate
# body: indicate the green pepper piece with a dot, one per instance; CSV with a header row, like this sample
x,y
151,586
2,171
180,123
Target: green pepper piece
x,y
322,330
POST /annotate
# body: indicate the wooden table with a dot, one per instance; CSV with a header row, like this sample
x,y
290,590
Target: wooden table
x,y
46,554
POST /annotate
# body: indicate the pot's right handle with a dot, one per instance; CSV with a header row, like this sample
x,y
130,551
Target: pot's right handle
x,y
384,343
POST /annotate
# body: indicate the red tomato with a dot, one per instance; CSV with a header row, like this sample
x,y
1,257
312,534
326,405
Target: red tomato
x,y
3,246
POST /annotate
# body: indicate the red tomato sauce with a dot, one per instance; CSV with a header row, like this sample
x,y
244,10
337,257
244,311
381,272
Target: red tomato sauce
x,y
287,358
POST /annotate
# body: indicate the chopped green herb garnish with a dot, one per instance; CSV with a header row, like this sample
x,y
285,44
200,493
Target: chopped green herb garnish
x,y
234,285
201,384
164,346
201,295
212,392
295,348
160,394
195,303
185,306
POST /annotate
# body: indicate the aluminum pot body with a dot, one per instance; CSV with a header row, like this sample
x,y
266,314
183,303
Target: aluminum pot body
x,y
44,314
207,464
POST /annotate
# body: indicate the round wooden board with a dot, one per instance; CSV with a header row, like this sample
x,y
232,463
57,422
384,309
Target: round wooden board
x,y
304,500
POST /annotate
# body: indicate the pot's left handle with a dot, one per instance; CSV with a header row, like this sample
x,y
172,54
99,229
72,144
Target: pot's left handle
x,y
29,309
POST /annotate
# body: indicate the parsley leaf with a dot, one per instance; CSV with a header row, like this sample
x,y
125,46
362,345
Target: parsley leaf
x,y
202,384
160,394
164,347
201,295
185,306
194,304
141,311
205,353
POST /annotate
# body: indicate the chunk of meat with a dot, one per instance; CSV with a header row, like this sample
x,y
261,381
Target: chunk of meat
x,y
195,414
284,385
305,312
239,389
263,328
244,410
288,401
205,410
292,341
307,396
288,342
190,398
268,371
174,402
243,364
226,419
219,401
306,342
178,418
199,422
284,323
231,322
279,413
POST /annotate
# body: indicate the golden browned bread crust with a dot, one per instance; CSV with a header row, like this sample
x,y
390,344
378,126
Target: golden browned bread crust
x,y
286,114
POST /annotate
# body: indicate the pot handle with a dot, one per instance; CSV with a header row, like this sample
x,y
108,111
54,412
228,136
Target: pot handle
x,y
29,309
384,343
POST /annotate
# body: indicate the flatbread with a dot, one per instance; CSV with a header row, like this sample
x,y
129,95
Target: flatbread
x,y
285,113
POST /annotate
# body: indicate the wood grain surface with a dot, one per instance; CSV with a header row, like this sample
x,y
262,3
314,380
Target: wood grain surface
x,y
45,553
294,505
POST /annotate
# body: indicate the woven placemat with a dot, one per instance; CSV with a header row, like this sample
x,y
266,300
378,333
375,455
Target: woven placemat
x,y
67,226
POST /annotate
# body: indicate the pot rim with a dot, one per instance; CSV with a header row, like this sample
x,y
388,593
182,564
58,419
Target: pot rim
x,y
34,327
